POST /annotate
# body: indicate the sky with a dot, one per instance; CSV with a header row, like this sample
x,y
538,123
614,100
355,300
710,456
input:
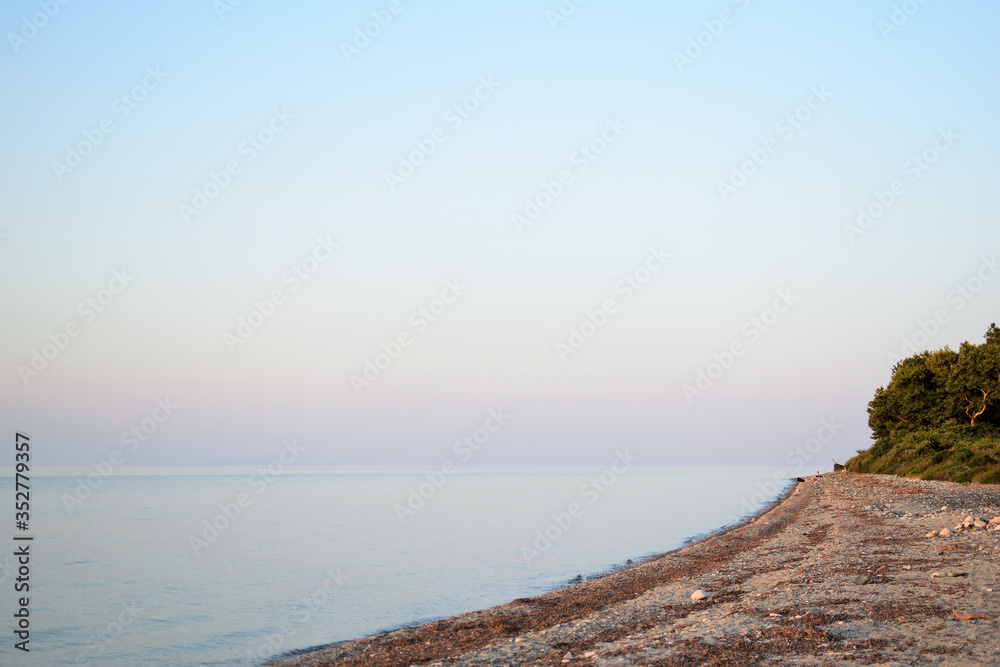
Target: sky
x,y
696,231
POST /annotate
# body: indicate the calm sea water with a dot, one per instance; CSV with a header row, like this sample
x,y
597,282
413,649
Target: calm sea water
x,y
137,574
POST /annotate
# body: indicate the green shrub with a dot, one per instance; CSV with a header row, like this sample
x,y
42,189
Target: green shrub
x,y
954,452
990,476
963,477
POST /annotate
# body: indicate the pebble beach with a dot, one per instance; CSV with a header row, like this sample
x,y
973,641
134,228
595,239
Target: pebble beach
x,y
844,568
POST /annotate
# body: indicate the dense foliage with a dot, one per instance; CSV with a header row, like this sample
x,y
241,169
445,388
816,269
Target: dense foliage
x,y
939,417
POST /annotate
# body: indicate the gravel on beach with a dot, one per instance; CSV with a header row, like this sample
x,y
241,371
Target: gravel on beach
x,y
847,569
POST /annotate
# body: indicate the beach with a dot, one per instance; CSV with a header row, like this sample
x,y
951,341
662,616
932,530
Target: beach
x,y
841,569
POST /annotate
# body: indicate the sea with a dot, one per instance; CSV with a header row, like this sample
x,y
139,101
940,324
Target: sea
x,y
246,565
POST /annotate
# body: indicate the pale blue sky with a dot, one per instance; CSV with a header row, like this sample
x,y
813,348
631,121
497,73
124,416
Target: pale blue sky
x,y
323,175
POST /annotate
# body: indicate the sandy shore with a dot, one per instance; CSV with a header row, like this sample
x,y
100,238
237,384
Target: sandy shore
x,y
841,571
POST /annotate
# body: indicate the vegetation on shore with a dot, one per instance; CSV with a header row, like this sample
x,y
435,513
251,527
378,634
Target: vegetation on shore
x,y
939,417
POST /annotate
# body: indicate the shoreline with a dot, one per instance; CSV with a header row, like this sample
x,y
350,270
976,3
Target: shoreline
x,y
287,656
801,577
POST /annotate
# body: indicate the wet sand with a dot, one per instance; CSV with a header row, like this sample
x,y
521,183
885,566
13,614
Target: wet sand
x,y
840,570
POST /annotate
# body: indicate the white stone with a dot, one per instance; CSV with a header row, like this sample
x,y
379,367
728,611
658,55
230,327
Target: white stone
x,y
944,532
699,595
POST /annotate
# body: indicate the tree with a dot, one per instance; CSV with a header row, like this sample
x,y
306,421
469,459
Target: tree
x,y
918,395
977,381
934,389
939,416
992,335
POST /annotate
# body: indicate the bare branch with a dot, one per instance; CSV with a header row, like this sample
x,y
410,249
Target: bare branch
x,y
980,411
